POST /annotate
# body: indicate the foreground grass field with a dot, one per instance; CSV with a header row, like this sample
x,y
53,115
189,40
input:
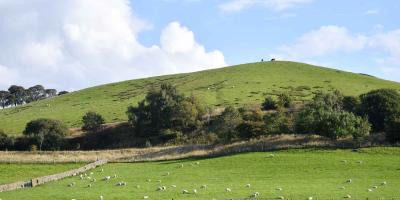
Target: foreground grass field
x,y
300,174
21,172
236,85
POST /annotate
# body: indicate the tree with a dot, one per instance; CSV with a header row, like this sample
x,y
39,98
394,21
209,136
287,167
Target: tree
x,y
163,109
392,129
269,104
351,104
50,93
380,105
225,124
47,133
92,121
4,96
5,141
35,93
17,95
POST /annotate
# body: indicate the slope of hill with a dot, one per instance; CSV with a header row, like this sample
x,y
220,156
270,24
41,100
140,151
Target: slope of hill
x,y
235,85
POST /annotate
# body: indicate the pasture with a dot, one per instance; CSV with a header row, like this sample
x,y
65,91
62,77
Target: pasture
x,y
236,85
291,174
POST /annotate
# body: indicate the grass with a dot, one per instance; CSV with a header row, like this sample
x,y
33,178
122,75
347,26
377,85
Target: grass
x,y
236,85
21,172
300,173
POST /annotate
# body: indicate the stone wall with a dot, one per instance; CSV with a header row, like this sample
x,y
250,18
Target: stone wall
x,y
42,180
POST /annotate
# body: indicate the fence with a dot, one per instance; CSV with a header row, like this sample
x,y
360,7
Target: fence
x,y
45,179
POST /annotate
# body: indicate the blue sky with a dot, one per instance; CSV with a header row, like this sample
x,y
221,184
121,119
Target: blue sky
x,y
73,44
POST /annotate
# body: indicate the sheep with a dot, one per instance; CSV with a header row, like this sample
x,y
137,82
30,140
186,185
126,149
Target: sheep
x,y
309,198
122,183
383,183
375,187
342,188
279,189
203,187
159,189
248,185
94,180
101,170
174,186
271,155
228,190
137,186
347,196
159,181
359,162
115,176
369,190
185,192
344,161
194,191
89,185
167,174
101,197
181,165
71,184
148,180
197,163
255,195
107,178
281,197
349,181
145,197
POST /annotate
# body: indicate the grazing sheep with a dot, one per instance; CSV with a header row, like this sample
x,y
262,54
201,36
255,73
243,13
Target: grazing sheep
x,y
255,195
89,185
107,178
279,189
101,197
383,183
148,180
185,192
228,190
194,191
94,180
375,187
347,196
115,176
342,188
281,197
122,183
145,197
203,187
248,185
369,190
159,181
181,165
310,198
349,181
159,189
167,174
174,186
197,163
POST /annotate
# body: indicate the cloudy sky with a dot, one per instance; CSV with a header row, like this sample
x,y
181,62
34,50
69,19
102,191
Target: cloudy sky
x,y
73,44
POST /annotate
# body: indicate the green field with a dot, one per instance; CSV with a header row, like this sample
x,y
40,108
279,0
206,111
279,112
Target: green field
x,y
299,173
22,172
236,85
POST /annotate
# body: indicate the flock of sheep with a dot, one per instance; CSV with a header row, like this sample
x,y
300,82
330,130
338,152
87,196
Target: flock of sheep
x,y
162,188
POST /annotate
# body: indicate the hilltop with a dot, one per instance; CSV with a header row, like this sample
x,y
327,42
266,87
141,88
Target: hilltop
x,y
235,85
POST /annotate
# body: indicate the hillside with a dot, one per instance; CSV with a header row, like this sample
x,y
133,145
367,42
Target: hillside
x,y
235,85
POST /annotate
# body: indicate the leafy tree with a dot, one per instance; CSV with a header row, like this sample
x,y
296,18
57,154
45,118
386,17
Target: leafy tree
x,y
62,93
279,122
164,109
392,129
225,124
17,95
269,104
351,104
380,105
4,96
47,133
50,93
5,141
35,93
92,121
250,129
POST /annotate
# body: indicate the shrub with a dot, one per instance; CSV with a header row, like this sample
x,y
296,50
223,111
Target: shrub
x,y
225,124
5,141
250,129
392,129
48,134
380,105
279,123
284,100
92,121
251,114
269,104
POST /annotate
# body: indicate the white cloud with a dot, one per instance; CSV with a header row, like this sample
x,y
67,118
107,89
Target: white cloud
x,y
276,5
73,44
325,40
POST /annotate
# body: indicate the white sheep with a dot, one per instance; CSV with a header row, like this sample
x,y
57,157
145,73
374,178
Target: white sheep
x,y
248,185
369,190
137,186
148,180
228,190
197,163
89,185
194,191
115,176
383,183
101,197
375,187
145,197
185,192
255,195
167,174
203,187
174,186
309,198
281,197
181,165
342,188
159,181
349,181
347,196
279,189
107,178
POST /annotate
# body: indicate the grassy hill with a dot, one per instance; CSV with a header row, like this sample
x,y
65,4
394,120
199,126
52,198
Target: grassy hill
x,y
235,85
320,174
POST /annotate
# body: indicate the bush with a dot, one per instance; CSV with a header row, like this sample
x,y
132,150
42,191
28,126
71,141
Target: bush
x,y
284,100
250,129
224,125
92,121
251,114
392,129
269,104
47,134
5,141
279,123
380,106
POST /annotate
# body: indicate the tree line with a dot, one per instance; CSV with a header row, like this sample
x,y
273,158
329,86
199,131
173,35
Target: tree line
x,y
166,116
18,95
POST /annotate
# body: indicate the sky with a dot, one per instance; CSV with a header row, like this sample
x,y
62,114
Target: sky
x,y
74,44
